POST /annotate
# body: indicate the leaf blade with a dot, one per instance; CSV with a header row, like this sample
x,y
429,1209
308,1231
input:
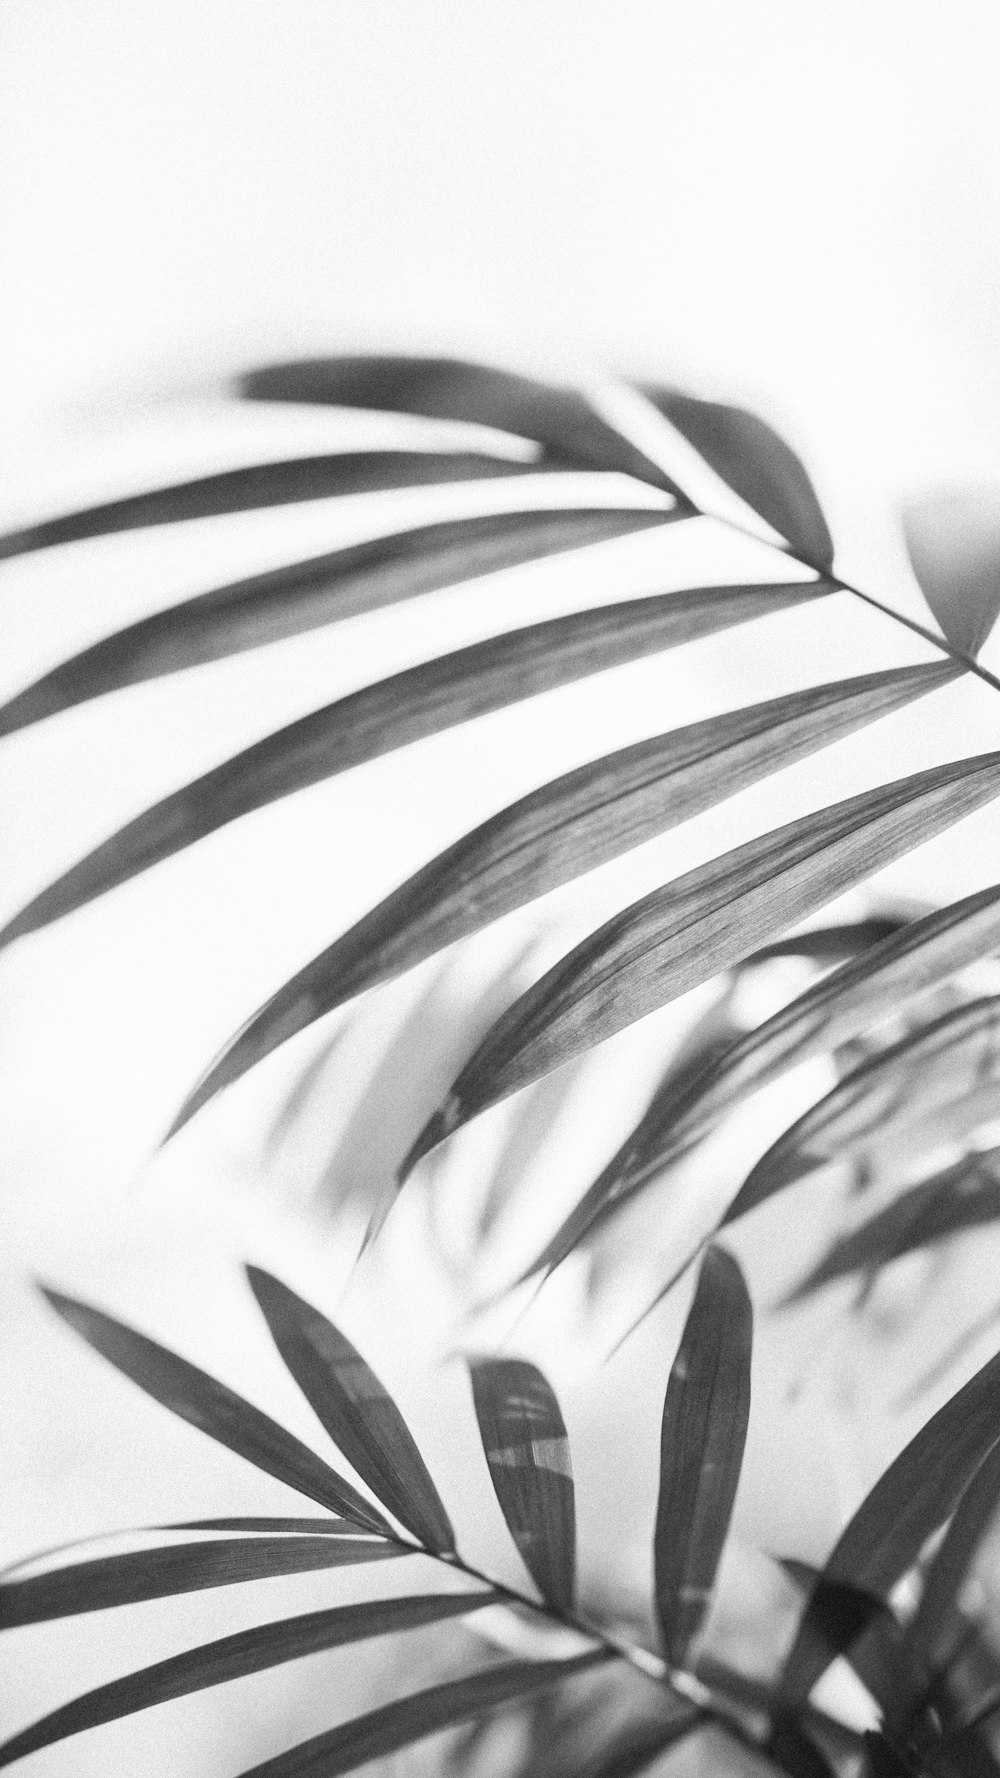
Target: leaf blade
x,y
322,590
953,1201
215,1409
704,921
385,1731
258,486
394,712
757,464
141,1575
355,1409
908,1503
557,417
870,1107
705,1417
233,1657
527,1451
953,542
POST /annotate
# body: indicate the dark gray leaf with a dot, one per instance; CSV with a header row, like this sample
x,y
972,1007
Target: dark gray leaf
x,y
560,419
217,1410
914,1497
905,1087
757,464
323,590
704,921
262,485
250,1651
527,1450
395,712
178,1568
705,1418
355,1409
961,1197
385,1731
935,1631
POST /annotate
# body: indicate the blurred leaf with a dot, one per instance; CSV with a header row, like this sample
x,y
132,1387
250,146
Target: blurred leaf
x,y
866,1113
953,539
178,1568
881,1760
961,1197
913,1498
232,1657
561,419
688,1106
263,485
705,921
757,464
858,1626
827,945
527,1450
395,712
705,1418
385,1731
355,1409
794,1751
209,1405
934,1630
392,713
302,596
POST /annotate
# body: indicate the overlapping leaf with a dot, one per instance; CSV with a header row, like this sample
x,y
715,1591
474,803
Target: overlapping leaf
x,y
232,1657
527,1450
909,1085
395,712
385,1731
705,1418
935,1629
757,464
961,1197
210,1405
178,1568
916,1495
707,920
355,1409
307,595
262,485
895,966
560,419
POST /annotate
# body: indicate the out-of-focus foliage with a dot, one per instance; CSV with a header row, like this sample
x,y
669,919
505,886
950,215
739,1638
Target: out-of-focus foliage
x,y
900,1012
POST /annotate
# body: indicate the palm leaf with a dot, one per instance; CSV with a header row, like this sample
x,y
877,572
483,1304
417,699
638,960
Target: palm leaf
x,y
757,464
385,1731
178,1568
868,1110
914,1497
307,595
527,1450
217,1410
682,934
953,541
395,712
961,1197
262,485
232,1657
935,1628
355,1409
560,419
893,968
705,1418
